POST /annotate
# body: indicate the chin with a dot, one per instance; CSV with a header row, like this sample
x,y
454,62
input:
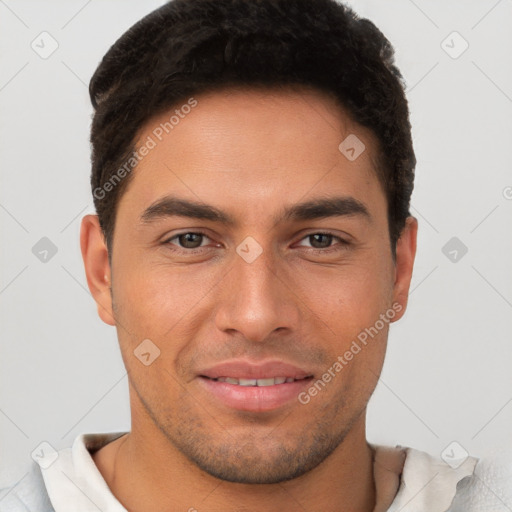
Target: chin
x,y
264,462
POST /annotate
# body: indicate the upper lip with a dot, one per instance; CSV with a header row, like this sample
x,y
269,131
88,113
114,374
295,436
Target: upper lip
x,y
252,370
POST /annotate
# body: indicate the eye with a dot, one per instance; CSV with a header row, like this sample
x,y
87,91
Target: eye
x,y
188,240
323,241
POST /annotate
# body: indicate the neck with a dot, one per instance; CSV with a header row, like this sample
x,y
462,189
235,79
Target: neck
x,y
145,468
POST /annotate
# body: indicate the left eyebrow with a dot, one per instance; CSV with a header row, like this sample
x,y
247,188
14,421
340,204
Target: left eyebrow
x,y
322,208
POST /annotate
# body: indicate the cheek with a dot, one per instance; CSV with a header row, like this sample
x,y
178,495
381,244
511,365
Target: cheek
x,y
156,299
348,298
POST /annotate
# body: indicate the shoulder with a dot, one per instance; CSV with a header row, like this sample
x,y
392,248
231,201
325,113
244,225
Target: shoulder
x,y
488,488
26,493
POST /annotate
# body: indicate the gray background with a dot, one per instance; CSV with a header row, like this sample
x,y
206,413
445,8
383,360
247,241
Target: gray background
x,y
447,375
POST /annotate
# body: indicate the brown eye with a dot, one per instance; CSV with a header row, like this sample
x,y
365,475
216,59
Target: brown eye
x,y
323,242
189,240
320,240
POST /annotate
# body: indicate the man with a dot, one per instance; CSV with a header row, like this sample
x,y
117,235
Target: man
x,y
252,170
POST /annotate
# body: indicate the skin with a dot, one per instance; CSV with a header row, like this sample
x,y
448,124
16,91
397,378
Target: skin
x,y
292,303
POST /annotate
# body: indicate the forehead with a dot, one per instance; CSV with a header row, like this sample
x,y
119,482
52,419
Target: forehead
x,y
254,146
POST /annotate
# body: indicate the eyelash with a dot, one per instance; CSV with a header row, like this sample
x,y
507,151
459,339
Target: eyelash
x,y
342,243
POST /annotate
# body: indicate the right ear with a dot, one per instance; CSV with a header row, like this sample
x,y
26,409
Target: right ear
x,y
97,267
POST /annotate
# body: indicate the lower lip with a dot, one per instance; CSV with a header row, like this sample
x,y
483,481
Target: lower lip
x,y
255,398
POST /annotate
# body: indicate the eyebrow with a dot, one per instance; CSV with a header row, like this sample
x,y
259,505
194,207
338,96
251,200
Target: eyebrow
x,y
321,208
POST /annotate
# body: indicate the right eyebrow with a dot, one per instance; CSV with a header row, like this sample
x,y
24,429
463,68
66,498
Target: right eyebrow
x,y
169,206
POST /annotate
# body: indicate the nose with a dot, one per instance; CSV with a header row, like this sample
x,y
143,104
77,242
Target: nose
x,y
257,300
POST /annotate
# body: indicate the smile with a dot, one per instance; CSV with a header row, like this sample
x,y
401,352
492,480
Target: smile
x,y
253,395
272,381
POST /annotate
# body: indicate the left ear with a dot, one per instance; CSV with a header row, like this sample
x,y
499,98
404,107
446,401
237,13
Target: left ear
x,y
405,253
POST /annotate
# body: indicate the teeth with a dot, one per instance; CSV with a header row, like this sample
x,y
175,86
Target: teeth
x,y
247,382
266,382
255,382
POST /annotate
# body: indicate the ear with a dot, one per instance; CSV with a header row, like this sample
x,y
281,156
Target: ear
x,y
97,267
405,253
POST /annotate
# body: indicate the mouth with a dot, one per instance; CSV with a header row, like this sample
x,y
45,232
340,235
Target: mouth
x,y
268,381
247,386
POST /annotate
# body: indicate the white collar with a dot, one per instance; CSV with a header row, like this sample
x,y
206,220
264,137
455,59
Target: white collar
x,y
428,484
74,482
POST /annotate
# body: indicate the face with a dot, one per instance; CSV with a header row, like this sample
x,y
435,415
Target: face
x,y
255,257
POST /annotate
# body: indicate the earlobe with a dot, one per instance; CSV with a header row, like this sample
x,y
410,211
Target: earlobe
x,y
405,254
97,267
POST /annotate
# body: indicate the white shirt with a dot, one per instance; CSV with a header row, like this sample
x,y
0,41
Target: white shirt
x,y
407,480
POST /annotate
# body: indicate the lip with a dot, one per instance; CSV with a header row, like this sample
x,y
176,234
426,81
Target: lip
x,y
254,398
246,370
